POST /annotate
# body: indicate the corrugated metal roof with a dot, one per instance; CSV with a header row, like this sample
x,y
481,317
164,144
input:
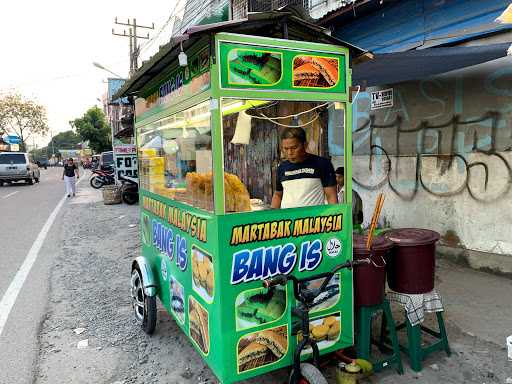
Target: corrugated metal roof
x,y
259,24
416,24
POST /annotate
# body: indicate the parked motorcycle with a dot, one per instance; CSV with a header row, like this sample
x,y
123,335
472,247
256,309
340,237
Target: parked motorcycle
x,y
100,178
129,190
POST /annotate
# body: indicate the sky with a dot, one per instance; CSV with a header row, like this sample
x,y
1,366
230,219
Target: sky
x,y
48,48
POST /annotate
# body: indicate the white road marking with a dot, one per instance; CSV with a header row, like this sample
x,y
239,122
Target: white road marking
x,y
10,194
10,296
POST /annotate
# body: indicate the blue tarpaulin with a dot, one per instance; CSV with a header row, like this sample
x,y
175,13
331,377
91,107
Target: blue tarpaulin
x,y
391,68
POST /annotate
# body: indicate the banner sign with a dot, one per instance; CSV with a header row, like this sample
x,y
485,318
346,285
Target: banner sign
x,y
180,84
245,66
125,160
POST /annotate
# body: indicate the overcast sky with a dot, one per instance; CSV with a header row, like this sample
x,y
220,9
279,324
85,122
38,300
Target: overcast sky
x,y
48,48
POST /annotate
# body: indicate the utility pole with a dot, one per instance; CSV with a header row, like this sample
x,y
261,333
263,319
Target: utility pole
x,y
132,35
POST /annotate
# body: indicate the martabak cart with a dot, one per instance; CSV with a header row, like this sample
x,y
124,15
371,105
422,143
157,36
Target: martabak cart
x,y
208,146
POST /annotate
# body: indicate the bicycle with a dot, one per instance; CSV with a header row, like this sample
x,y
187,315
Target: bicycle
x,y
304,373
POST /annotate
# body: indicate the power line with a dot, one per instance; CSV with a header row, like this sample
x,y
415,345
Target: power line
x,y
132,35
172,17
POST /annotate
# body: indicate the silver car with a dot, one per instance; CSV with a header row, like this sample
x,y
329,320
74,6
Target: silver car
x,y
18,166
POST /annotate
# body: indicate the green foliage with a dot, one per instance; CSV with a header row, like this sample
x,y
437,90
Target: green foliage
x,y
23,117
93,127
65,140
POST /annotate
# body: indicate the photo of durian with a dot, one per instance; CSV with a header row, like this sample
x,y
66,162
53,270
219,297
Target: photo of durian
x,y
203,280
325,331
262,348
198,325
259,306
146,229
329,297
177,299
254,67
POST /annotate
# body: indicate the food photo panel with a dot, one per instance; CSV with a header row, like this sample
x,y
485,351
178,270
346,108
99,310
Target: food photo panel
x,y
325,331
177,299
315,71
262,348
203,280
198,325
259,306
254,67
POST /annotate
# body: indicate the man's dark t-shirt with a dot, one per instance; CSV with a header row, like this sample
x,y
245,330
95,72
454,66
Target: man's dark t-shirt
x,y
69,170
303,183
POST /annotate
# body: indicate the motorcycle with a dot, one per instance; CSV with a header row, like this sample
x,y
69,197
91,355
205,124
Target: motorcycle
x,y
129,190
99,178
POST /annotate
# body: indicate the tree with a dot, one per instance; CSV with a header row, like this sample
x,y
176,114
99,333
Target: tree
x,y
23,117
93,127
64,140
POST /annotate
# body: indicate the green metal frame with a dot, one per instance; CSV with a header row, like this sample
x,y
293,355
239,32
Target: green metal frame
x,y
224,335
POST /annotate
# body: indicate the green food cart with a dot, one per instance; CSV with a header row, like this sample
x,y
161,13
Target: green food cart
x,y
209,109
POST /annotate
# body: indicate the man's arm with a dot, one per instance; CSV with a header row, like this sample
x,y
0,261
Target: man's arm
x,y
76,172
276,200
331,195
63,172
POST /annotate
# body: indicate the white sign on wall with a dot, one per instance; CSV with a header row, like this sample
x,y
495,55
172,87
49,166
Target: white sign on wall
x,y
125,160
382,99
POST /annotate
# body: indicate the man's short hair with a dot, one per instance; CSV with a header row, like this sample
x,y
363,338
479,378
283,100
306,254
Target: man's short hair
x,y
340,171
294,133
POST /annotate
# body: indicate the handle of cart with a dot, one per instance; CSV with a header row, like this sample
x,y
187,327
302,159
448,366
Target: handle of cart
x,y
306,295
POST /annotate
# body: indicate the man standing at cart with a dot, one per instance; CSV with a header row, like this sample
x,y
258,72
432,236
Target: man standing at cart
x,y
303,179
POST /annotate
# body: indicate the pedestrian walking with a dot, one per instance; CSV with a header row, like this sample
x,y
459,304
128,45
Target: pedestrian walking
x,y
70,171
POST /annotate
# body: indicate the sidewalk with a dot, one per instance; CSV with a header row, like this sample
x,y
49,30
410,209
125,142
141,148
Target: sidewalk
x,y
90,289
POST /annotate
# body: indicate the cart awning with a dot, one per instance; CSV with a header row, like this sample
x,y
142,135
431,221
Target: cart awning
x,y
390,68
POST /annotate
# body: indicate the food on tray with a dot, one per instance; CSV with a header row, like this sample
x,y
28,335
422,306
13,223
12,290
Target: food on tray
x,y
198,319
327,330
273,341
262,306
202,272
328,68
319,332
262,348
330,321
255,67
334,331
251,352
200,187
318,72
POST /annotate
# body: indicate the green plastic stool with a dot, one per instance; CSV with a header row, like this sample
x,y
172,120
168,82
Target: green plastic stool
x,y
414,349
364,339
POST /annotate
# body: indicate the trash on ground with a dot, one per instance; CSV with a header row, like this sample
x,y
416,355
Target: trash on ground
x,y
79,331
82,344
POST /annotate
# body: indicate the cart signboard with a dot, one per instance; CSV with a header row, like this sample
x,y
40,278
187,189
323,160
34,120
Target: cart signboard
x,y
245,66
207,232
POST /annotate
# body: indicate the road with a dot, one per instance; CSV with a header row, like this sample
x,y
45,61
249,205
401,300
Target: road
x,y
24,210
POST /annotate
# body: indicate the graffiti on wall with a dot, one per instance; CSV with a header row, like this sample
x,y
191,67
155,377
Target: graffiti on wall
x,y
443,161
444,136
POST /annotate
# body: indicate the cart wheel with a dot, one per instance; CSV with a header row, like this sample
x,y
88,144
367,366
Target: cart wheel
x,y
309,375
144,307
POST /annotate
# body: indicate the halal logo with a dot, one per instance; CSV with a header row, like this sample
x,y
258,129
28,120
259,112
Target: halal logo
x,y
333,247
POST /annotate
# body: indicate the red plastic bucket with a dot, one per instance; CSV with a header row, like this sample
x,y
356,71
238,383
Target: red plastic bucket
x,y
370,279
411,269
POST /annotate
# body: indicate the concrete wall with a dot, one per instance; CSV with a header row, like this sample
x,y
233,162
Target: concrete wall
x,y
443,157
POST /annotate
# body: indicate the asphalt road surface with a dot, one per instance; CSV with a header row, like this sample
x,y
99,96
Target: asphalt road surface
x,y
24,210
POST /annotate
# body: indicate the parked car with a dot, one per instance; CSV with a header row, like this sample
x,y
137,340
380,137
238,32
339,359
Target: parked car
x,y
18,166
107,160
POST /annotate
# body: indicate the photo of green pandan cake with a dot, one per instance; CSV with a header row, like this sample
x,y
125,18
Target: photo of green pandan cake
x,y
255,67
260,306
